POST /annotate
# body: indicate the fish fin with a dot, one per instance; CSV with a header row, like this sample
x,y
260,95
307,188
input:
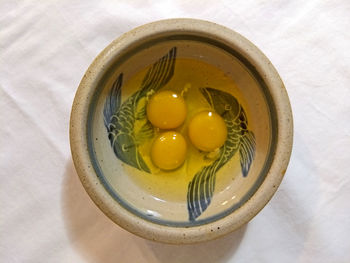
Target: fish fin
x,y
160,72
200,191
140,109
142,164
145,132
247,144
247,152
113,101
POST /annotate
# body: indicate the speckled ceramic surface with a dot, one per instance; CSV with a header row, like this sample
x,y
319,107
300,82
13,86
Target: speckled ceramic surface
x,y
217,197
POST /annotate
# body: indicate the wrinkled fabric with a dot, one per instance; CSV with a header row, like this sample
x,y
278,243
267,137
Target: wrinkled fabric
x,y
46,215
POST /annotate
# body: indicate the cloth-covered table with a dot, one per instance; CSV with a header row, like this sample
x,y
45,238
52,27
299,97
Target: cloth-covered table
x,y
45,213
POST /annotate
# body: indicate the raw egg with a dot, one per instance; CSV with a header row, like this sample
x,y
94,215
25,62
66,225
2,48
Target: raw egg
x,y
207,131
168,150
166,110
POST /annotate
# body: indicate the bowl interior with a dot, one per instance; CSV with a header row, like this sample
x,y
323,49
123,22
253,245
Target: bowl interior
x,y
225,81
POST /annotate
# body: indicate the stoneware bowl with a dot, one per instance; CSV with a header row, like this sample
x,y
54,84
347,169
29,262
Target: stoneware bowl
x,y
202,61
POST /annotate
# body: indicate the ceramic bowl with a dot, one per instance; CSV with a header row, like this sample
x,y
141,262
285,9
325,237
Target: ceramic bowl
x,y
108,125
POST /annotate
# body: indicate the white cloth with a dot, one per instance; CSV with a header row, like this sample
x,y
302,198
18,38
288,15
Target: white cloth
x,y
46,215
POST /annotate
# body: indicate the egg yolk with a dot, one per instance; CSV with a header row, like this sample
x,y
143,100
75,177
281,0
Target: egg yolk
x,y
166,110
168,151
207,131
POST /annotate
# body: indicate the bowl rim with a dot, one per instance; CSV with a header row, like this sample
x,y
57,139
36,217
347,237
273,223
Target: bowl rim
x,y
128,220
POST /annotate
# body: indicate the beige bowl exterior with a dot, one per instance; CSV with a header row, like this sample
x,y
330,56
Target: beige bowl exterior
x,y
169,234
